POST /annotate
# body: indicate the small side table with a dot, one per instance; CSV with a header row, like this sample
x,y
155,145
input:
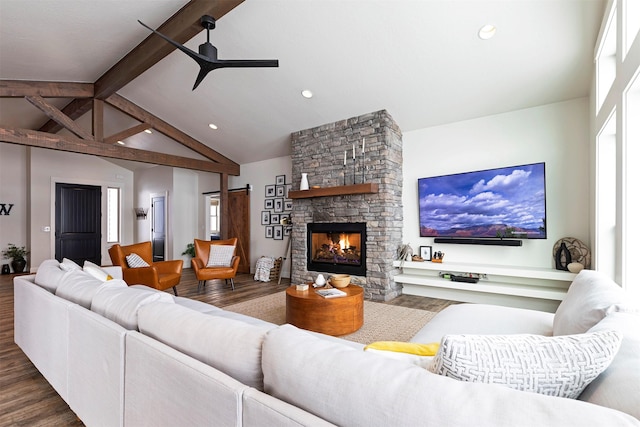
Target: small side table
x,y
331,316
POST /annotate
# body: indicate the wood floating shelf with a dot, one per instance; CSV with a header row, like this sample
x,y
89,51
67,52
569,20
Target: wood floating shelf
x,y
343,190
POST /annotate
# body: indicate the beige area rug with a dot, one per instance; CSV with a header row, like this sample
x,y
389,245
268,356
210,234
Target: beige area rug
x,y
382,322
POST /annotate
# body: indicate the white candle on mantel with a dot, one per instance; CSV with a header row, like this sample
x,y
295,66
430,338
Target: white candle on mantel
x,y
345,158
354,151
362,145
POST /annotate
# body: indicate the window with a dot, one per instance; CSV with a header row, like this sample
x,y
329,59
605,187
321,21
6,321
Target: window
x,y
113,214
214,216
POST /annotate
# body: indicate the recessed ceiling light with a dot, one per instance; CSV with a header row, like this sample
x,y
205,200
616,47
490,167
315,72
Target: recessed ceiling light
x,y
212,126
307,94
147,131
120,142
487,32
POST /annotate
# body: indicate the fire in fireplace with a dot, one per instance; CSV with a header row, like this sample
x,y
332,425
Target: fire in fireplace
x,y
337,248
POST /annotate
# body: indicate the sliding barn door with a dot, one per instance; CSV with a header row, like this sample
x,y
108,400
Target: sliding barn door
x,y
239,226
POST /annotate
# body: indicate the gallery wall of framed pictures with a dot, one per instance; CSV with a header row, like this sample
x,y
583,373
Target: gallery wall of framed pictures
x,y
277,209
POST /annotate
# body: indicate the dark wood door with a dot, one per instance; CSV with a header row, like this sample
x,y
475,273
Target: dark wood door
x,y
158,232
78,217
239,227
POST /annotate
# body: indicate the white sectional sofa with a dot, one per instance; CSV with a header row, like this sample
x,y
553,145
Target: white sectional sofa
x,y
134,356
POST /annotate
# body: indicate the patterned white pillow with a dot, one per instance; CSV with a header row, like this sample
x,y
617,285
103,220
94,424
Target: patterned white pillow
x,y
556,366
220,255
135,261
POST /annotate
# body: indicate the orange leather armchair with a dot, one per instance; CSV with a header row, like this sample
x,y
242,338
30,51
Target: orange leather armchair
x,y
160,275
199,262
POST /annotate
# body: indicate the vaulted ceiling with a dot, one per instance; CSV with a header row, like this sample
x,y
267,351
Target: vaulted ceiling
x,y
421,60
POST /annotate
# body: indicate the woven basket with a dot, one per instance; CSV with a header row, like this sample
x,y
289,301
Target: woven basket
x,y
275,271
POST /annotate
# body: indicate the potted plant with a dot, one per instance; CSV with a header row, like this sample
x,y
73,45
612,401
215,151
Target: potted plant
x,y
191,250
17,256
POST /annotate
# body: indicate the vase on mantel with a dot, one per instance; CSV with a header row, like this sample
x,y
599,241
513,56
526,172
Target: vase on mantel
x,y
304,182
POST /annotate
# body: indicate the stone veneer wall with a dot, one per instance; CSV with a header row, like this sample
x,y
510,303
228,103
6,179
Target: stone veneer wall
x,y
320,153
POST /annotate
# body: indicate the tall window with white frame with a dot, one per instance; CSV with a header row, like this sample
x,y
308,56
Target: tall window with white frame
x,y
113,215
214,217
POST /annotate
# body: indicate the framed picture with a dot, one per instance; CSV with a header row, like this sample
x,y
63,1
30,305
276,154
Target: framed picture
x,y
279,190
277,232
281,179
269,190
287,188
278,205
268,232
288,205
287,231
425,253
275,219
268,204
265,218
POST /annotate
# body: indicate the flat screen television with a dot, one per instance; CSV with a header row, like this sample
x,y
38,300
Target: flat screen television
x,y
507,202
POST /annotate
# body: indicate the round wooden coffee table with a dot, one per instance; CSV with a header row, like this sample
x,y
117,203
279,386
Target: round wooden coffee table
x,y
331,316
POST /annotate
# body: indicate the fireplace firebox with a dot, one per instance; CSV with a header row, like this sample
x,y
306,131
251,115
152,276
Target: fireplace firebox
x,y
337,248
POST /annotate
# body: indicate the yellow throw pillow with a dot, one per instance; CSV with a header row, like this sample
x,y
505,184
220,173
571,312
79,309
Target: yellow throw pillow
x,y
416,353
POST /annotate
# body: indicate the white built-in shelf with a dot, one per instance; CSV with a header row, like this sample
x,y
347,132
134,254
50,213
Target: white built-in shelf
x,y
526,287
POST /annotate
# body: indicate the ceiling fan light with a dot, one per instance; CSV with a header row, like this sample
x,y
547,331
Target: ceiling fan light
x,y
307,94
487,32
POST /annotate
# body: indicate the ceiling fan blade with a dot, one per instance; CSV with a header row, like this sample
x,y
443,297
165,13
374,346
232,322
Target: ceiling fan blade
x,y
201,75
196,56
241,63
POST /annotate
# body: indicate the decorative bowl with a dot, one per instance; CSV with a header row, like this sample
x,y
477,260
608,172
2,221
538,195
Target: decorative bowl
x,y
340,280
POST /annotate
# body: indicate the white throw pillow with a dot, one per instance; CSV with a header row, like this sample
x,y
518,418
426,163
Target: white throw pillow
x,y
220,255
555,366
96,271
135,261
69,265
590,297
49,275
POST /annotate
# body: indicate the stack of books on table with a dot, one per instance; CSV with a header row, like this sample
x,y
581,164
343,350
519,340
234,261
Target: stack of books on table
x,y
331,293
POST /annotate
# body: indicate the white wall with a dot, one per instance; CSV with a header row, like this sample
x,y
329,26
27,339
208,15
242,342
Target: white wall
x,y
33,172
557,134
14,189
259,174
148,181
183,222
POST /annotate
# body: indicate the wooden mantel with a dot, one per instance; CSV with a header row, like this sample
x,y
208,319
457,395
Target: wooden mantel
x,y
342,190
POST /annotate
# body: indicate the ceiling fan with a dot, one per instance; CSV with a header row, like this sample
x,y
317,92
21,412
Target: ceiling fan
x,y
207,58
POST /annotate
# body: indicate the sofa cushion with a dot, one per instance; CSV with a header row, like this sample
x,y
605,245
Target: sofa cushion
x,y
121,304
220,255
590,296
135,261
555,366
319,376
49,275
80,287
484,319
231,346
96,271
196,305
618,387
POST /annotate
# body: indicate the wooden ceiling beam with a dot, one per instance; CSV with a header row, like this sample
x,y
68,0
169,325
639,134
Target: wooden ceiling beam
x,y
22,88
181,27
126,133
75,145
74,110
165,128
59,117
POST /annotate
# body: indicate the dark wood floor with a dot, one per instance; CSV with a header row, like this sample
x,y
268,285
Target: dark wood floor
x,y
27,399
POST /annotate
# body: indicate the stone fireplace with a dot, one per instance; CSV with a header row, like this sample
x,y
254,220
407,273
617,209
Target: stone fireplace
x,y
320,152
